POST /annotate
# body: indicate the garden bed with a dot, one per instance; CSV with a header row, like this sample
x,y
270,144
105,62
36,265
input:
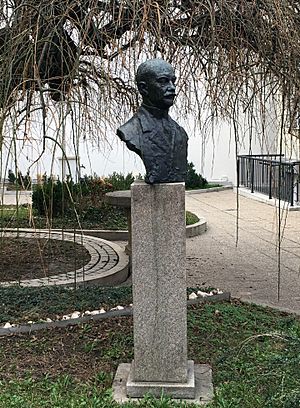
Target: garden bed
x,y
254,353
31,258
105,218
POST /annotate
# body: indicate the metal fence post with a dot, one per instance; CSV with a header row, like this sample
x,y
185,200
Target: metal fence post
x,y
292,185
270,181
252,176
238,172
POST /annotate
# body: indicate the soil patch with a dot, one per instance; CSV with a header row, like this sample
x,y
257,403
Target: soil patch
x,y
78,351
30,258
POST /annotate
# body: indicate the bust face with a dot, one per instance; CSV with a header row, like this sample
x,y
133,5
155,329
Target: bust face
x,y
157,86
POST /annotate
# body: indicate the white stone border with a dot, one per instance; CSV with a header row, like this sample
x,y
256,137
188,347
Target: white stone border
x,y
117,311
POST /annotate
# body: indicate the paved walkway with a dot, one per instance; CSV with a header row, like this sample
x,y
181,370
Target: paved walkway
x,y
250,269
14,197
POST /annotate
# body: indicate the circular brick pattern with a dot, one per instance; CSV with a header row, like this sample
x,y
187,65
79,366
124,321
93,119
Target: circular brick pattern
x,y
107,260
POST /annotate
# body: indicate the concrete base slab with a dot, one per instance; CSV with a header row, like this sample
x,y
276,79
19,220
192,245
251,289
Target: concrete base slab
x,y
203,385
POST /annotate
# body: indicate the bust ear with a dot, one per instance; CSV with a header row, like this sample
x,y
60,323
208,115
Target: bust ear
x,y
143,88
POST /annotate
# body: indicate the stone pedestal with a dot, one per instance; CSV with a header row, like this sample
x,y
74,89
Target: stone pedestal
x,y
159,292
160,364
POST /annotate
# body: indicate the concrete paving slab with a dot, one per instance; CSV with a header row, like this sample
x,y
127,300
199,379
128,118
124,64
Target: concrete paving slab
x,y
248,268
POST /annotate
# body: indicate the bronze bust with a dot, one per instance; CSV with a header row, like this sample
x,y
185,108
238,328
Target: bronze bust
x,y
151,133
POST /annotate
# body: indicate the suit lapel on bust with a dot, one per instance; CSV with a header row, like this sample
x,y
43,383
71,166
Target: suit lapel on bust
x,y
153,133
149,128
146,120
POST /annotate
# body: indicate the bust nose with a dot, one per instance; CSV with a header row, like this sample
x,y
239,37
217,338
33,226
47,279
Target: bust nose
x,y
171,85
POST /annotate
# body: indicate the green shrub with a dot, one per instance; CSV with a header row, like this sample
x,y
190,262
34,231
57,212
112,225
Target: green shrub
x,y
51,197
120,182
90,192
190,218
194,180
24,182
109,216
54,198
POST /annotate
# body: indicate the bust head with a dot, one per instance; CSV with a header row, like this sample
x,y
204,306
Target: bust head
x,y
156,83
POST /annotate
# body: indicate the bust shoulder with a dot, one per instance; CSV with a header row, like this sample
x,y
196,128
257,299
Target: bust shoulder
x,y
179,128
128,127
131,132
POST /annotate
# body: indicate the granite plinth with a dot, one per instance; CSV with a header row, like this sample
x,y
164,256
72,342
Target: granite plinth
x,y
172,389
159,282
203,385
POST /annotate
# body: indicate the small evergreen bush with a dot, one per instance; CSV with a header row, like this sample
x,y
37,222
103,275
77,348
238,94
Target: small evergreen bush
x,y
194,180
11,177
51,197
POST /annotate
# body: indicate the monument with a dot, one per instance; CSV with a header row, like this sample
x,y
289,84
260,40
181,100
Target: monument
x,y
151,133
160,362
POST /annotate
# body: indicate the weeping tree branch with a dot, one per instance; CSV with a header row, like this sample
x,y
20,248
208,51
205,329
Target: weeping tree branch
x,y
233,48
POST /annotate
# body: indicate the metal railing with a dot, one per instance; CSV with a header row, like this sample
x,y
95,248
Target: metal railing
x,y
270,174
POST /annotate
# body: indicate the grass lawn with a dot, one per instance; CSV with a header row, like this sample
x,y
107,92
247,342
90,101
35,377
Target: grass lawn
x,y
254,353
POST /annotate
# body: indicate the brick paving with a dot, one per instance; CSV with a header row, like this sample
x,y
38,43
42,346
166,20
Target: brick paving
x,y
106,258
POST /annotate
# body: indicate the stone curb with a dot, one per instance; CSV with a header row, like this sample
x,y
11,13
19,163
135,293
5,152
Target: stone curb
x,y
110,235
26,328
209,190
191,231
225,296
196,229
